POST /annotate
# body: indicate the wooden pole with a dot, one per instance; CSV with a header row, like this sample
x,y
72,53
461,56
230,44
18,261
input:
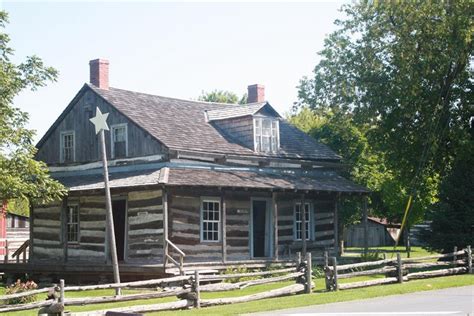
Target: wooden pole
x,y
469,259
366,228
336,228
110,216
224,235
165,229
303,224
399,268
61,294
298,257
197,302
309,266
335,282
455,257
275,225
6,251
327,272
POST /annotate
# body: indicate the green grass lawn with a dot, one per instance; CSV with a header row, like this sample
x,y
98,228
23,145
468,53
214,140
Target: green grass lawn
x,y
319,297
390,251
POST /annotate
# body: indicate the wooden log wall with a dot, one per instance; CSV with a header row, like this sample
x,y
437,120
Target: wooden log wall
x,y
46,233
184,229
324,223
145,226
238,223
92,234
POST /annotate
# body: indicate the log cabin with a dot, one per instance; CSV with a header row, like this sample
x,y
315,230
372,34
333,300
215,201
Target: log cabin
x,y
192,183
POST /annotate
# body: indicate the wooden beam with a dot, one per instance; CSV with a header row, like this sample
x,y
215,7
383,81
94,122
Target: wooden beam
x,y
224,220
165,228
336,227
366,228
275,225
303,224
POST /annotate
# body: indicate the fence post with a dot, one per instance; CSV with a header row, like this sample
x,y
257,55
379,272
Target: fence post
x,y
399,268
298,257
6,251
327,275
469,259
61,294
455,257
197,302
334,274
309,266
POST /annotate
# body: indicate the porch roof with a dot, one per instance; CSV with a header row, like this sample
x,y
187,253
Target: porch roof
x,y
219,177
310,181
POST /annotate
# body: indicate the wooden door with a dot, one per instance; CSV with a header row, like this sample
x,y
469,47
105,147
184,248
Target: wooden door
x,y
259,222
119,209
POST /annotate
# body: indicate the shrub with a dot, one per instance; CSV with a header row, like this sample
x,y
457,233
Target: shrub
x,y
19,287
371,256
239,270
318,272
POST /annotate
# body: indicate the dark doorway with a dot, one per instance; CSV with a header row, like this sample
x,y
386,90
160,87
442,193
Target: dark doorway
x,y
119,208
259,210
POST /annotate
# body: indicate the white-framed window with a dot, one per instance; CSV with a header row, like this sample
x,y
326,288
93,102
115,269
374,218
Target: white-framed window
x,y
210,219
298,221
67,147
72,223
267,136
119,141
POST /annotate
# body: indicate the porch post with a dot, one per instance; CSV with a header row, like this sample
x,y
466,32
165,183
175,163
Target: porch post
x,y
165,228
275,225
366,227
303,225
336,226
224,235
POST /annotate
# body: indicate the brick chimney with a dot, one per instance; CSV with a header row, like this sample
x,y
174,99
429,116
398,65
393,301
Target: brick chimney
x,y
256,93
99,73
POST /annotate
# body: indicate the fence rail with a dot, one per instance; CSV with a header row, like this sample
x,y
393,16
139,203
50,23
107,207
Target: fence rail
x,y
398,269
187,287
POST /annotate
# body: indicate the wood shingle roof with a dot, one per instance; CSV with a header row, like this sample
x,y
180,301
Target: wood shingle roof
x,y
182,125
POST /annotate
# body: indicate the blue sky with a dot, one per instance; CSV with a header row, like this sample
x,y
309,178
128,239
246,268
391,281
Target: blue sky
x,y
169,49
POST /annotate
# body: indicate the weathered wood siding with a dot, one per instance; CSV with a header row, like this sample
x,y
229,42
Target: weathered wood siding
x,y
145,226
140,143
378,235
322,234
324,223
46,233
184,230
237,227
92,231
238,129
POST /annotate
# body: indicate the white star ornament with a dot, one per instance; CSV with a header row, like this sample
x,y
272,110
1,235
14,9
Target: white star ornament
x,y
100,121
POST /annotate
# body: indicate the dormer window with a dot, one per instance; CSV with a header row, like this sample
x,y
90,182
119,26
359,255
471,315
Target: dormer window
x,y
119,141
266,131
67,147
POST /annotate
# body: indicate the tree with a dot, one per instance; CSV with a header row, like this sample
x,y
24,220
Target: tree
x,y
22,177
222,96
453,216
364,166
402,70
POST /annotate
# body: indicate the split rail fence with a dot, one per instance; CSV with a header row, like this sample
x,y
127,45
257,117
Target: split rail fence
x,y
397,269
186,288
